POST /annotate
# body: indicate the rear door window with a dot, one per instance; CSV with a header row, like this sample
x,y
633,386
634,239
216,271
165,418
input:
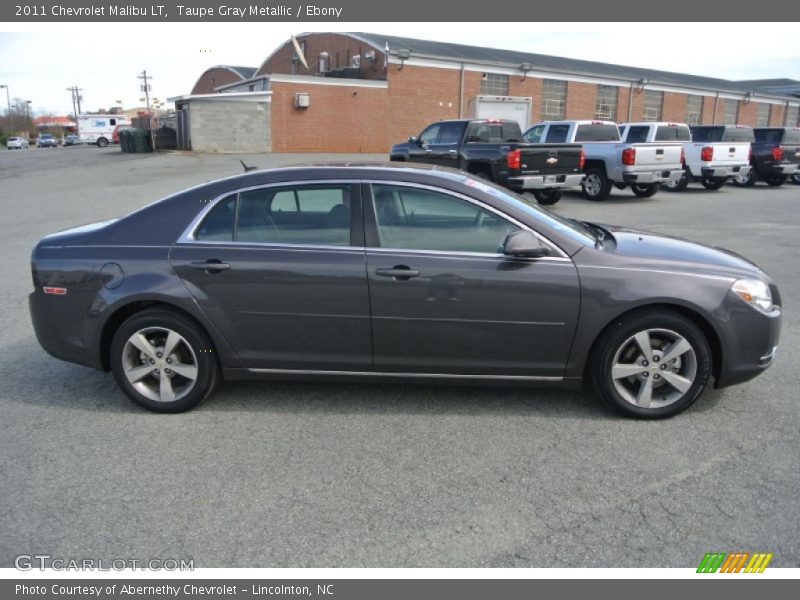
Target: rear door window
x,y
218,224
451,133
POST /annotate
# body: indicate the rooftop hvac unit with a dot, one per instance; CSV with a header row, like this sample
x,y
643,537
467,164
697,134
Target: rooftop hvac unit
x,y
302,100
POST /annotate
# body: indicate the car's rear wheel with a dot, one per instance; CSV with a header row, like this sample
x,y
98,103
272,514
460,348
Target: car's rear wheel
x,y
712,184
163,361
677,185
651,365
645,191
776,180
102,142
595,185
547,197
748,180
796,178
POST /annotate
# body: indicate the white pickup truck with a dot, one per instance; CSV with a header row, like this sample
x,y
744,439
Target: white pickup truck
x,y
710,163
609,161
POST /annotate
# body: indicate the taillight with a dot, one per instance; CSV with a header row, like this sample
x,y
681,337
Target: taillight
x,y
582,160
707,153
629,156
749,153
513,159
777,153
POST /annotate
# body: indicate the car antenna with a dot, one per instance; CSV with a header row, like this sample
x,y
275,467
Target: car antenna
x,y
246,168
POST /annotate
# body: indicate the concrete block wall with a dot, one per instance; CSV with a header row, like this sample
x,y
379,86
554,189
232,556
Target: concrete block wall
x,y
229,126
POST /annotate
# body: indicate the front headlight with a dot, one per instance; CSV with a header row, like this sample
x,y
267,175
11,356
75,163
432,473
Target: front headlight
x,y
755,292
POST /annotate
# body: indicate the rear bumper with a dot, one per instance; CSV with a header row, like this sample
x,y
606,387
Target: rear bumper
x,y
789,169
541,182
645,177
726,171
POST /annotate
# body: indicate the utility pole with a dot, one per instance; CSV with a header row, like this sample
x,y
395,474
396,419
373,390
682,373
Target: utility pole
x,y
76,105
8,100
146,89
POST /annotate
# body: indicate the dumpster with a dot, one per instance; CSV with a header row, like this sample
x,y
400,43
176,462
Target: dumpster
x,y
166,138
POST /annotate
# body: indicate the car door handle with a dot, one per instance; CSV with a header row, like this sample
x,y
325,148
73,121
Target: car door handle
x,y
400,272
453,151
211,265
428,150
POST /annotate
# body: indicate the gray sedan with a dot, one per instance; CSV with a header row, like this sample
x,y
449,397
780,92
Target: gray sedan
x,y
396,273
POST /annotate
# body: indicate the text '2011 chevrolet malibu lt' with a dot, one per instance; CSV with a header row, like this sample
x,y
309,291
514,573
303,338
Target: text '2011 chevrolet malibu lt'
x,y
396,273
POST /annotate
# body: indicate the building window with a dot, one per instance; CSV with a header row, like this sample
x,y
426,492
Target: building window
x,y
792,119
605,107
323,62
762,114
694,110
554,99
653,101
494,84
731,114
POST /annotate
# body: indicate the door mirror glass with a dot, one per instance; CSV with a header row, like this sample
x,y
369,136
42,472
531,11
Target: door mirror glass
x,y
524,244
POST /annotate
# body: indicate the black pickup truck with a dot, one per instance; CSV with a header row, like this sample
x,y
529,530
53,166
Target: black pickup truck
x,y
775,156
494,149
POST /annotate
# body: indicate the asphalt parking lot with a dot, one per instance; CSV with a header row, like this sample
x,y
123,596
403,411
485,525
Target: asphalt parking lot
x,y
324,475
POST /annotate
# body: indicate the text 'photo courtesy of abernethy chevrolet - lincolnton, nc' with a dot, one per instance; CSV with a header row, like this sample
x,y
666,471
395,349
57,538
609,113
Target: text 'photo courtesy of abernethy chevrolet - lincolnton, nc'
x,y
400,272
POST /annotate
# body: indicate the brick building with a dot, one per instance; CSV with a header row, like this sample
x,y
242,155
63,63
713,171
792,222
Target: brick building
x,y
361,92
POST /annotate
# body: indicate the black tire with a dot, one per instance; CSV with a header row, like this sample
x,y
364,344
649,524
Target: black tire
x,y
750,181
645,191
194,351
796,179
679,185
776,180
483,173
547,197
617,338
712,184
598,188
102,142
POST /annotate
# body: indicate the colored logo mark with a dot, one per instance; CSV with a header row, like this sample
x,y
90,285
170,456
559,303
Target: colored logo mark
x,y
737,562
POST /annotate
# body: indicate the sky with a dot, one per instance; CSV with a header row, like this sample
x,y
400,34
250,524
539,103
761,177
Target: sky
x,y
39,62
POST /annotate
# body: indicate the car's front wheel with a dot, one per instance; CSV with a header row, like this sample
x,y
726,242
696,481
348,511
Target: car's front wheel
x,y
677,185
748,180
776,180
163,361
796,178
651,365
711,183
645,191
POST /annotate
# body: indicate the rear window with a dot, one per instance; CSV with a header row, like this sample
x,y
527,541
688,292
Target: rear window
x,y
777,135
597,132
494,133
722,134
673,133
637,134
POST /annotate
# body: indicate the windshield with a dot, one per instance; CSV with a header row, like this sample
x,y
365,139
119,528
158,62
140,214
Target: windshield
x,y
575,230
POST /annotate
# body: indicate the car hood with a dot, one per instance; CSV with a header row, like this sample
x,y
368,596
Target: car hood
x,y
664,250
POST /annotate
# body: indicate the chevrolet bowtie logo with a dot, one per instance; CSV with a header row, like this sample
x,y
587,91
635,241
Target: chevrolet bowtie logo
x,y
552,160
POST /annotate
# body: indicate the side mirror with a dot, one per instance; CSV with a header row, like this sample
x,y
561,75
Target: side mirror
x,y
413,140
524,244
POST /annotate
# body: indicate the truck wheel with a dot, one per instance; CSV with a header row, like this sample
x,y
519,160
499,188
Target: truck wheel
x,y
645,191
796,178
776,180
483,173
595,185
678,186
102,142
712,184
547,197
748,180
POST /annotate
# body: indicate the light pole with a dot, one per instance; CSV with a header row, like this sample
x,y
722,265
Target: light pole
x,y
8,100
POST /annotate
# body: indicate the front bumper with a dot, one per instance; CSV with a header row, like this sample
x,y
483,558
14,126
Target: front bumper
x,y
726,171
542,182
647,177
749,341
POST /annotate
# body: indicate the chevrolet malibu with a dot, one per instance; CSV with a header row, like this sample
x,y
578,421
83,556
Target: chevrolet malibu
x,y
396,273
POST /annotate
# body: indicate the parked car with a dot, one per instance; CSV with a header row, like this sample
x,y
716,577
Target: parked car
x,y
493,149
642,166
17,143
710,163
775,156
46,140
395,272
71,139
